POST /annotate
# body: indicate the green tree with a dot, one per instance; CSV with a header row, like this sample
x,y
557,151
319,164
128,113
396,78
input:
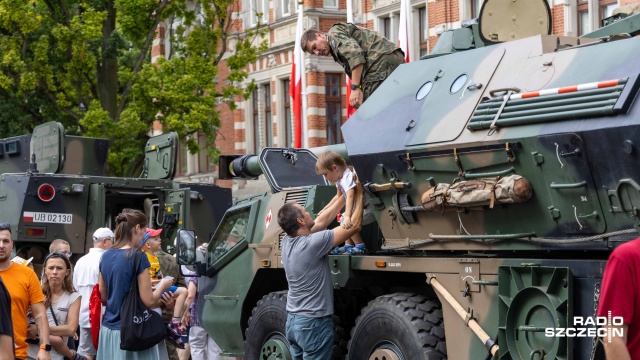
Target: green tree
x,y
87,64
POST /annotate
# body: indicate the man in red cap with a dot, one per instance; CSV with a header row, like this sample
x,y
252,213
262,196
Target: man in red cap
x,y
150,244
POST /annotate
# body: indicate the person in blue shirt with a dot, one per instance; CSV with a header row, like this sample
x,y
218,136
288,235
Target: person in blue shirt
x,y
116,276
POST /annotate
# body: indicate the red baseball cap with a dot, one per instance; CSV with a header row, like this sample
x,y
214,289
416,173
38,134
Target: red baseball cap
x,y
153,232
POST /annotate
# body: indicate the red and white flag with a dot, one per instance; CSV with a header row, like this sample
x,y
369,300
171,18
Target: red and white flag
x,y
295,85
404,35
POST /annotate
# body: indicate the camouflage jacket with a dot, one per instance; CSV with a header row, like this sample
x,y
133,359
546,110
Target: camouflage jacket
x,y
169,267
352,45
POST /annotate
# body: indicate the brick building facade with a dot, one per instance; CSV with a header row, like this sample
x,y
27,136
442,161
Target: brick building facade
x,y
265,118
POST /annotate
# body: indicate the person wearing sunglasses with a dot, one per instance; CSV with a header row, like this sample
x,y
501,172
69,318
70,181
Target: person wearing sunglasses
x,y
24,289
61,246
62,302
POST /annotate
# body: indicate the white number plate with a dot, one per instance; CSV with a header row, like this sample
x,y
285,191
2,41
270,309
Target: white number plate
x,y
43,217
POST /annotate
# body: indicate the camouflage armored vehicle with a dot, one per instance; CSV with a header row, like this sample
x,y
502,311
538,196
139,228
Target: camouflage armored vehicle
x,y
502,171
53,186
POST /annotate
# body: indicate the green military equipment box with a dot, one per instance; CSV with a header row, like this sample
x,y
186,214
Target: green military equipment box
x,y
502,170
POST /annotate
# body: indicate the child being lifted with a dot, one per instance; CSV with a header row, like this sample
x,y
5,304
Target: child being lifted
x,y
333,167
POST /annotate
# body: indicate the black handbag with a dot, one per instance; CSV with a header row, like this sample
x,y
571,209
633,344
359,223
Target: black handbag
x,y
140,327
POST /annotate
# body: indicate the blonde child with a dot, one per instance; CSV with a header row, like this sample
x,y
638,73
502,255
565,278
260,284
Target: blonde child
x,y
150,244
333,167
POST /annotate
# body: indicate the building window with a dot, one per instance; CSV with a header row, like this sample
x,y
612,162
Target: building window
x,y
333,108
256,121
330,3
268,119
584,25
476,5
288,131
284,5
204,162
259,10
386,27
606,10
424,31
183,154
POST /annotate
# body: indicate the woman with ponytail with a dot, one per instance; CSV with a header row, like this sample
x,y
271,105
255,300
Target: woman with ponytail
x,y
116,277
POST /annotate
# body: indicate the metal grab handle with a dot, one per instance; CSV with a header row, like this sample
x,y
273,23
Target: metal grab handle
x,y
592,215
529,328
514,89
571,153
469,175
485,282
568,186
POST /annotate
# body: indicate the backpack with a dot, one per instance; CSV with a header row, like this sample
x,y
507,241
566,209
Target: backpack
x,y
95,314
140,327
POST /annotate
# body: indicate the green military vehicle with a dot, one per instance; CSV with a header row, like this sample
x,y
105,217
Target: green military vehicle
x,y
52,186
502,171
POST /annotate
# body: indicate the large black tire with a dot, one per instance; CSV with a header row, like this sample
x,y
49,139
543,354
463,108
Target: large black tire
x,y
266,332
402,325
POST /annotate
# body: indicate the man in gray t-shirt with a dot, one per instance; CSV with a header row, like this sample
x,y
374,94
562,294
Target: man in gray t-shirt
x,y
310,299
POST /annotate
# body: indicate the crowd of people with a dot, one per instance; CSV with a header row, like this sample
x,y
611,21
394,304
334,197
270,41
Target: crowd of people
x,y
51,317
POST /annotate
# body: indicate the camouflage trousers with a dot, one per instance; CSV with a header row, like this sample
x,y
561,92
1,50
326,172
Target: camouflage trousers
x,y
379,71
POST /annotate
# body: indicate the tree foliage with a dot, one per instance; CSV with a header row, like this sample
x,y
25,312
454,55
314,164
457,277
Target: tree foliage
x,y
87,64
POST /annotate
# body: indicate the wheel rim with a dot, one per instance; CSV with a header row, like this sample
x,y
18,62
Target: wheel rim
x,y
386,351
276,347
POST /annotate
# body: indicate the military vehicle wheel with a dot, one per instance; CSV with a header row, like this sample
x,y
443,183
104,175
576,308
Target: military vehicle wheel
x,y
400,326
266,333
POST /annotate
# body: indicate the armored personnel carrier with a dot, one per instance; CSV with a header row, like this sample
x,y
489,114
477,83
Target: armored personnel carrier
x,y
502,171
52,186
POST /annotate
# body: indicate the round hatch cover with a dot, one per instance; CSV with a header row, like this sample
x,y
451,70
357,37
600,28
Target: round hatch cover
x,y
507,20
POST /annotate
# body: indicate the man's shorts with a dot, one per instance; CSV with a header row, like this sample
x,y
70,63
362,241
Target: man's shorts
x,y
85,345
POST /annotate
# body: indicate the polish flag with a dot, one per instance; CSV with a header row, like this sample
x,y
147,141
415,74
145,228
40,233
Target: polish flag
x,y
295,85
404,35
27,216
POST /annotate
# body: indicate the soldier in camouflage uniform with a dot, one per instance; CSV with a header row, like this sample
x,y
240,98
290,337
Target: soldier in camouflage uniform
x,y
169,267
366,56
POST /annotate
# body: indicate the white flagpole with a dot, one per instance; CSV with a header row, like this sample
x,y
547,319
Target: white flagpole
x,y
404,33
303,79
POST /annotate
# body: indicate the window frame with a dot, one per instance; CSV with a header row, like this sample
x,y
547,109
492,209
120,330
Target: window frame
x,y
602,4
387,30
423,32
268,115
330,6
254,9
203,155
287,114
333,100
284,10
255,120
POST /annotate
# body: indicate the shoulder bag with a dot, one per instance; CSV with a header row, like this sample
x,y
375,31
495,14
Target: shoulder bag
x,y
140,327
70,342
